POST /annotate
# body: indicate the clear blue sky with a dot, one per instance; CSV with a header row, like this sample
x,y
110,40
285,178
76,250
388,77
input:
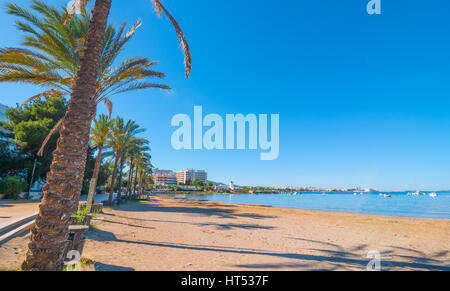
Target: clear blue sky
x,y
363,100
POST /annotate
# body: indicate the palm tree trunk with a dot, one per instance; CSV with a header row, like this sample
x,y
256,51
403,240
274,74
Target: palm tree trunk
x,y
130,177
62,192
122,162
32,177
135,180
113,180
141,179
93,186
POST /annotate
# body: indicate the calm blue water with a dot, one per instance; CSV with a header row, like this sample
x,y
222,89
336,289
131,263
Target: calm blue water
x,y
369,203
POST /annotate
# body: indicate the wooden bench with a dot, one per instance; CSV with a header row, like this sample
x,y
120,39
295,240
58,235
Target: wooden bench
x,y
76,240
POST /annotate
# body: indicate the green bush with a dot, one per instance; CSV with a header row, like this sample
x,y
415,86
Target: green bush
x,y
12,187
2,186
80,216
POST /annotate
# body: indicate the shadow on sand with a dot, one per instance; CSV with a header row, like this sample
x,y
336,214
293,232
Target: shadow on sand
x,y
323,255
103,267
218,211
336,260
198,208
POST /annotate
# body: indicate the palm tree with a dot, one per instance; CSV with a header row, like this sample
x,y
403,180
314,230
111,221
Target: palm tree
x,y
136,147
121,134
100,134
64,182
117,144
143,167
130,174
54,51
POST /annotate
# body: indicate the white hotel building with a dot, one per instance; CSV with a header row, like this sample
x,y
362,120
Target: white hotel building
x,y
190,175
164,177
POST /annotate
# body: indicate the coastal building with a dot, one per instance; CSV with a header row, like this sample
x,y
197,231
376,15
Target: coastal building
x,y
3,112
164,177
189,175
3,116
159,172
231,186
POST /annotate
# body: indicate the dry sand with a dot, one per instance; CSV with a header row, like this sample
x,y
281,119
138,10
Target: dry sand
x,y
173,234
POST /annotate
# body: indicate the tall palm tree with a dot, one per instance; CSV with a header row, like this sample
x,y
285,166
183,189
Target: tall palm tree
x,y
143,168
63,188
53,52
100,134
135,148
130,174
121,134
117,144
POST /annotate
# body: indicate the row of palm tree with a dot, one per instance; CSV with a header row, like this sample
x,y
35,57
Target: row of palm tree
x,y
74,55
120,137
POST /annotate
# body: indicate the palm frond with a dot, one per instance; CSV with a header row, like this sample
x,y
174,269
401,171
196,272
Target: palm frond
x,y
48,93
183,43
49,136
75,6
140,86
109,105
53,45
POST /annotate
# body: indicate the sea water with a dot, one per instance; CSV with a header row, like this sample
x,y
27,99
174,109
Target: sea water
x,y
399,204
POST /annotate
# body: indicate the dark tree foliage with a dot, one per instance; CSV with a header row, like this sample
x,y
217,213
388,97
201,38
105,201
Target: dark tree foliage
x,y
28,127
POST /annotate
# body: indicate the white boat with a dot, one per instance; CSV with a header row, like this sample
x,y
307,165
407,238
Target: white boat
x,y
433,195
387,196
417,193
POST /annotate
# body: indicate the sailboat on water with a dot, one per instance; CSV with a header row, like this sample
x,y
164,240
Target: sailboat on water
x,y
417,193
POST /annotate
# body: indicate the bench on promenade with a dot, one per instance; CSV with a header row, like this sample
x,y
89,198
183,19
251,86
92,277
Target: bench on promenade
x,y
76,241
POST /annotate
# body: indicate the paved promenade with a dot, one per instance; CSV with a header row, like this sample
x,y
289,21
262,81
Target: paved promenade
x,y
13,210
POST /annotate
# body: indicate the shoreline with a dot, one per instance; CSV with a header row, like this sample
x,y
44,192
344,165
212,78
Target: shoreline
x,y
293,208
318,212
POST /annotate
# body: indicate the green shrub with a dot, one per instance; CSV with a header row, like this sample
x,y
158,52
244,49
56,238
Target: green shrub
x,y
2,186
12,187
80,215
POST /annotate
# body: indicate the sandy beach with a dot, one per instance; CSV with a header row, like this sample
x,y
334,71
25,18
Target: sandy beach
x,y
175,234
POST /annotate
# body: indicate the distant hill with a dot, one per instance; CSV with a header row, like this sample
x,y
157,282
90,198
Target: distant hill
x,y
217,183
